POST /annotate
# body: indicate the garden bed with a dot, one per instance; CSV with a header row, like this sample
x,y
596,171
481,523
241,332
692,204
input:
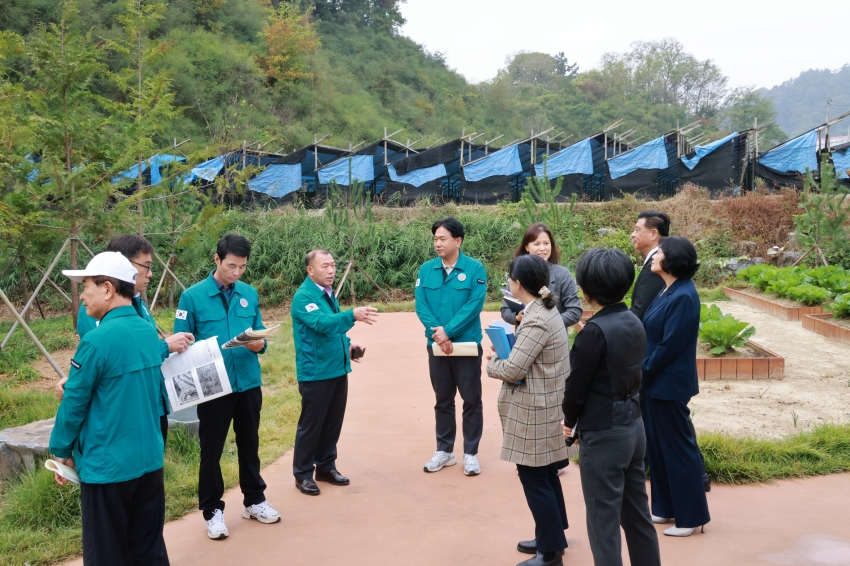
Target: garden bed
x,y
825,325
774,305
754,362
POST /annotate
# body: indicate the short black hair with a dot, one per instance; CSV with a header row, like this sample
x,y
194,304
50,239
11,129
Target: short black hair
x,y
130,245
233,244
532,272
122,288
308,259
656,221
680,257
605,275
453,225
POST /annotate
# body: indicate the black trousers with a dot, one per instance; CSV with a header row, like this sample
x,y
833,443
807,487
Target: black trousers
x,y
122,522
545,499
675,465
319,426
163,425
243,408
450,375
613,482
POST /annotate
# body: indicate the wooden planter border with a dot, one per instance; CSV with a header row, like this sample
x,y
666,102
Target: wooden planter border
x,y
768,306
742,369
823,325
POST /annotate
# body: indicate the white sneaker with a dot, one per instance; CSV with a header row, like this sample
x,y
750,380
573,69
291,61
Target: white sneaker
x,y
660,520
261,512
470,465
440,460
216,529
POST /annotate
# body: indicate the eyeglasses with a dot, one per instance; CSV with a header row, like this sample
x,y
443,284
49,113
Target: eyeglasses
x,y
147,268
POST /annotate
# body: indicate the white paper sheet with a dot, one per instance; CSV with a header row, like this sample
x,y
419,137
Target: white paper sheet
x,y
458,349
196,375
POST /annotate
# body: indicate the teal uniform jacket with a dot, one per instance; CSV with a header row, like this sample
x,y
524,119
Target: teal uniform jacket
x,y
456,303
321,346
85,324
206,312
108,415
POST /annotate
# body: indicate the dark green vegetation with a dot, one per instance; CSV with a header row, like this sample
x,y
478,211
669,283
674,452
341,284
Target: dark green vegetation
x,y
40,521
801,102
257,69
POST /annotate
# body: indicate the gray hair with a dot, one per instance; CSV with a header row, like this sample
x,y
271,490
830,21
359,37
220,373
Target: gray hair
x,y
308,259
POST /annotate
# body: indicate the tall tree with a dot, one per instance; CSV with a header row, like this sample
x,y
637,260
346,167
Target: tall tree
x,y
743,106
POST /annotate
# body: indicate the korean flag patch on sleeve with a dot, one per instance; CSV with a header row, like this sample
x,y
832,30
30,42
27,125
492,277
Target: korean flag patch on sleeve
x,y
417,282
181,315
312,307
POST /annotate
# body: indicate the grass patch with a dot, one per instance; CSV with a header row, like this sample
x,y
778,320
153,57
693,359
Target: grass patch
x,y
824,450
40,522
712,295
55,333
21,407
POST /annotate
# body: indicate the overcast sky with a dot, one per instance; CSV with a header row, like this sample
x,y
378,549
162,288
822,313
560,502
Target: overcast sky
x,y
754,42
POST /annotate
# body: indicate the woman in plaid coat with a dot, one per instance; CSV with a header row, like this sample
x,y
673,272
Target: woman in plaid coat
x,y
531,410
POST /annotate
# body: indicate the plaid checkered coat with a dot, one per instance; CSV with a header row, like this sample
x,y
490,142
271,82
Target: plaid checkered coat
x,y
531,412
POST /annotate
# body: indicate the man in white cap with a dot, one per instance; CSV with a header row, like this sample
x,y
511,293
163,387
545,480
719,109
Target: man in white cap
x,y
107,424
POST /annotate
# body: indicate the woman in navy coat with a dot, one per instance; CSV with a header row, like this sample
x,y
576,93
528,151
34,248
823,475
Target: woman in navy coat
x,y
669,382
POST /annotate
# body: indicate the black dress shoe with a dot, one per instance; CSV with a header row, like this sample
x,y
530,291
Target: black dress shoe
x,y
530,547
307,487
706,481
333,477
544,559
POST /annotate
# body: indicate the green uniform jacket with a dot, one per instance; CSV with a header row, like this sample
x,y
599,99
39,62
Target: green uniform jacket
x,y
85,324
205,312
108,415
321,346
456,303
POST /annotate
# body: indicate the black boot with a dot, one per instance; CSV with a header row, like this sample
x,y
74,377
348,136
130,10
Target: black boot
x,y
544,559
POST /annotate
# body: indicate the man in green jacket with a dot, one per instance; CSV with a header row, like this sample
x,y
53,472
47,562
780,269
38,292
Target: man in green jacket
x,y
322,358
222,306
106,426
139,252
450,292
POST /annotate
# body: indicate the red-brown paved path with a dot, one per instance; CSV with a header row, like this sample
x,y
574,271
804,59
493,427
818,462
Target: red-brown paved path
x,y
394,513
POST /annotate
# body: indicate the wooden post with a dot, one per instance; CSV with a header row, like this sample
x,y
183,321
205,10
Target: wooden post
x,y
33,337
23,265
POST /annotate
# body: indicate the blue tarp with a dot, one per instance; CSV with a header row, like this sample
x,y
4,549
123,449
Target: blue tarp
x,y
132,173
158,160
651,155
799,154
206,170
703,150
419,177
842,163
504,162
362,169
578,158
277,180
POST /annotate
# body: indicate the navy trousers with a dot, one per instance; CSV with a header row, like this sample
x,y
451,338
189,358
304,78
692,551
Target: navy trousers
x,y
319,426
450,376
675,464
542,488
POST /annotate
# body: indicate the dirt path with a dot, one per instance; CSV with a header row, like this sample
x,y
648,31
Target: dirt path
x,y
816,387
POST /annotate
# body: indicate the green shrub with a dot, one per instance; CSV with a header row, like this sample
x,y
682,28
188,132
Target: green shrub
x,y
840,307
722,332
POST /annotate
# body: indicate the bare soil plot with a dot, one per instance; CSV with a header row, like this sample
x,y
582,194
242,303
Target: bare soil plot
x,y
815,389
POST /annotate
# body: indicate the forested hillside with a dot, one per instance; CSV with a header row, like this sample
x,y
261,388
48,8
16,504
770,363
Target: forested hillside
x,y
801,102
261,69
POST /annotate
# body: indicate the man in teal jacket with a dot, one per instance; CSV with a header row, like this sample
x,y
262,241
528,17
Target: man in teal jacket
x,y
222,306
450,292
139,252
106,426
322,358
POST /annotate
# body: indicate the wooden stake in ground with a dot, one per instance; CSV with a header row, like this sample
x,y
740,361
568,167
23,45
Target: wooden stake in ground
x,y
19,320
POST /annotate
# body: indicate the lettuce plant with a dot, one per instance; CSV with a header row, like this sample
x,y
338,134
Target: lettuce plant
x,y
840,307
722,332
808,294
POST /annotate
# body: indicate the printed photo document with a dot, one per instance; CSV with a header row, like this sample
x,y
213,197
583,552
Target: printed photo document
x,y
196,375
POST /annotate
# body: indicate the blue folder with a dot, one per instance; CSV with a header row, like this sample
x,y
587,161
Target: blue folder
x,y
500,341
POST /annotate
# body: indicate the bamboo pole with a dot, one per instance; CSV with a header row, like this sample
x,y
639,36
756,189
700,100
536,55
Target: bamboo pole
x,y
33,337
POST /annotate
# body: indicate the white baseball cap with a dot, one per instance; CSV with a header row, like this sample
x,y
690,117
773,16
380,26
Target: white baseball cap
x,y
108,264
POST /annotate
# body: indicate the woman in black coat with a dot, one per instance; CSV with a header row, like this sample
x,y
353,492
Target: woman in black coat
x,y
669,382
